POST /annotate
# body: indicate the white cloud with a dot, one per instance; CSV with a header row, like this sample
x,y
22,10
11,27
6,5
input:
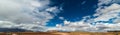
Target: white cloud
x,y
54,10
106,2
107,13
62,18
58,25
25,14
33,27
104,13
66,22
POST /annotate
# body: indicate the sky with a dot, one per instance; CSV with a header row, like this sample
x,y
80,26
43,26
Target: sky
x,y
61,15
74,10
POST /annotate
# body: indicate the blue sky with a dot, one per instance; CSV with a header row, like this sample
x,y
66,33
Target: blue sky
x,y
73,10
98,15
61,15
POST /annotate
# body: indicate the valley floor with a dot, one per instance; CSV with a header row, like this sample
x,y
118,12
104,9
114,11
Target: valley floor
x,y
60,33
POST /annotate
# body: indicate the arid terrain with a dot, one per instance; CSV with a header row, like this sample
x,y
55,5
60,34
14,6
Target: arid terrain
x,y
60,33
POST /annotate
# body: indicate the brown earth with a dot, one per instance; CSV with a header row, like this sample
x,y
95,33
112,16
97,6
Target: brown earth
x,y
61,33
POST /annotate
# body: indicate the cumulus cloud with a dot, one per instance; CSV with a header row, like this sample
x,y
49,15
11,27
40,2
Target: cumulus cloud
x,y
33,15
106,19
107,13
101,2
26,14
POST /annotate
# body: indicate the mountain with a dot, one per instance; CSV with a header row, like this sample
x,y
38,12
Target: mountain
x,y
13,30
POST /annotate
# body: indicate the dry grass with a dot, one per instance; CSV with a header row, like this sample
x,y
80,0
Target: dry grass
x,y
61,33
